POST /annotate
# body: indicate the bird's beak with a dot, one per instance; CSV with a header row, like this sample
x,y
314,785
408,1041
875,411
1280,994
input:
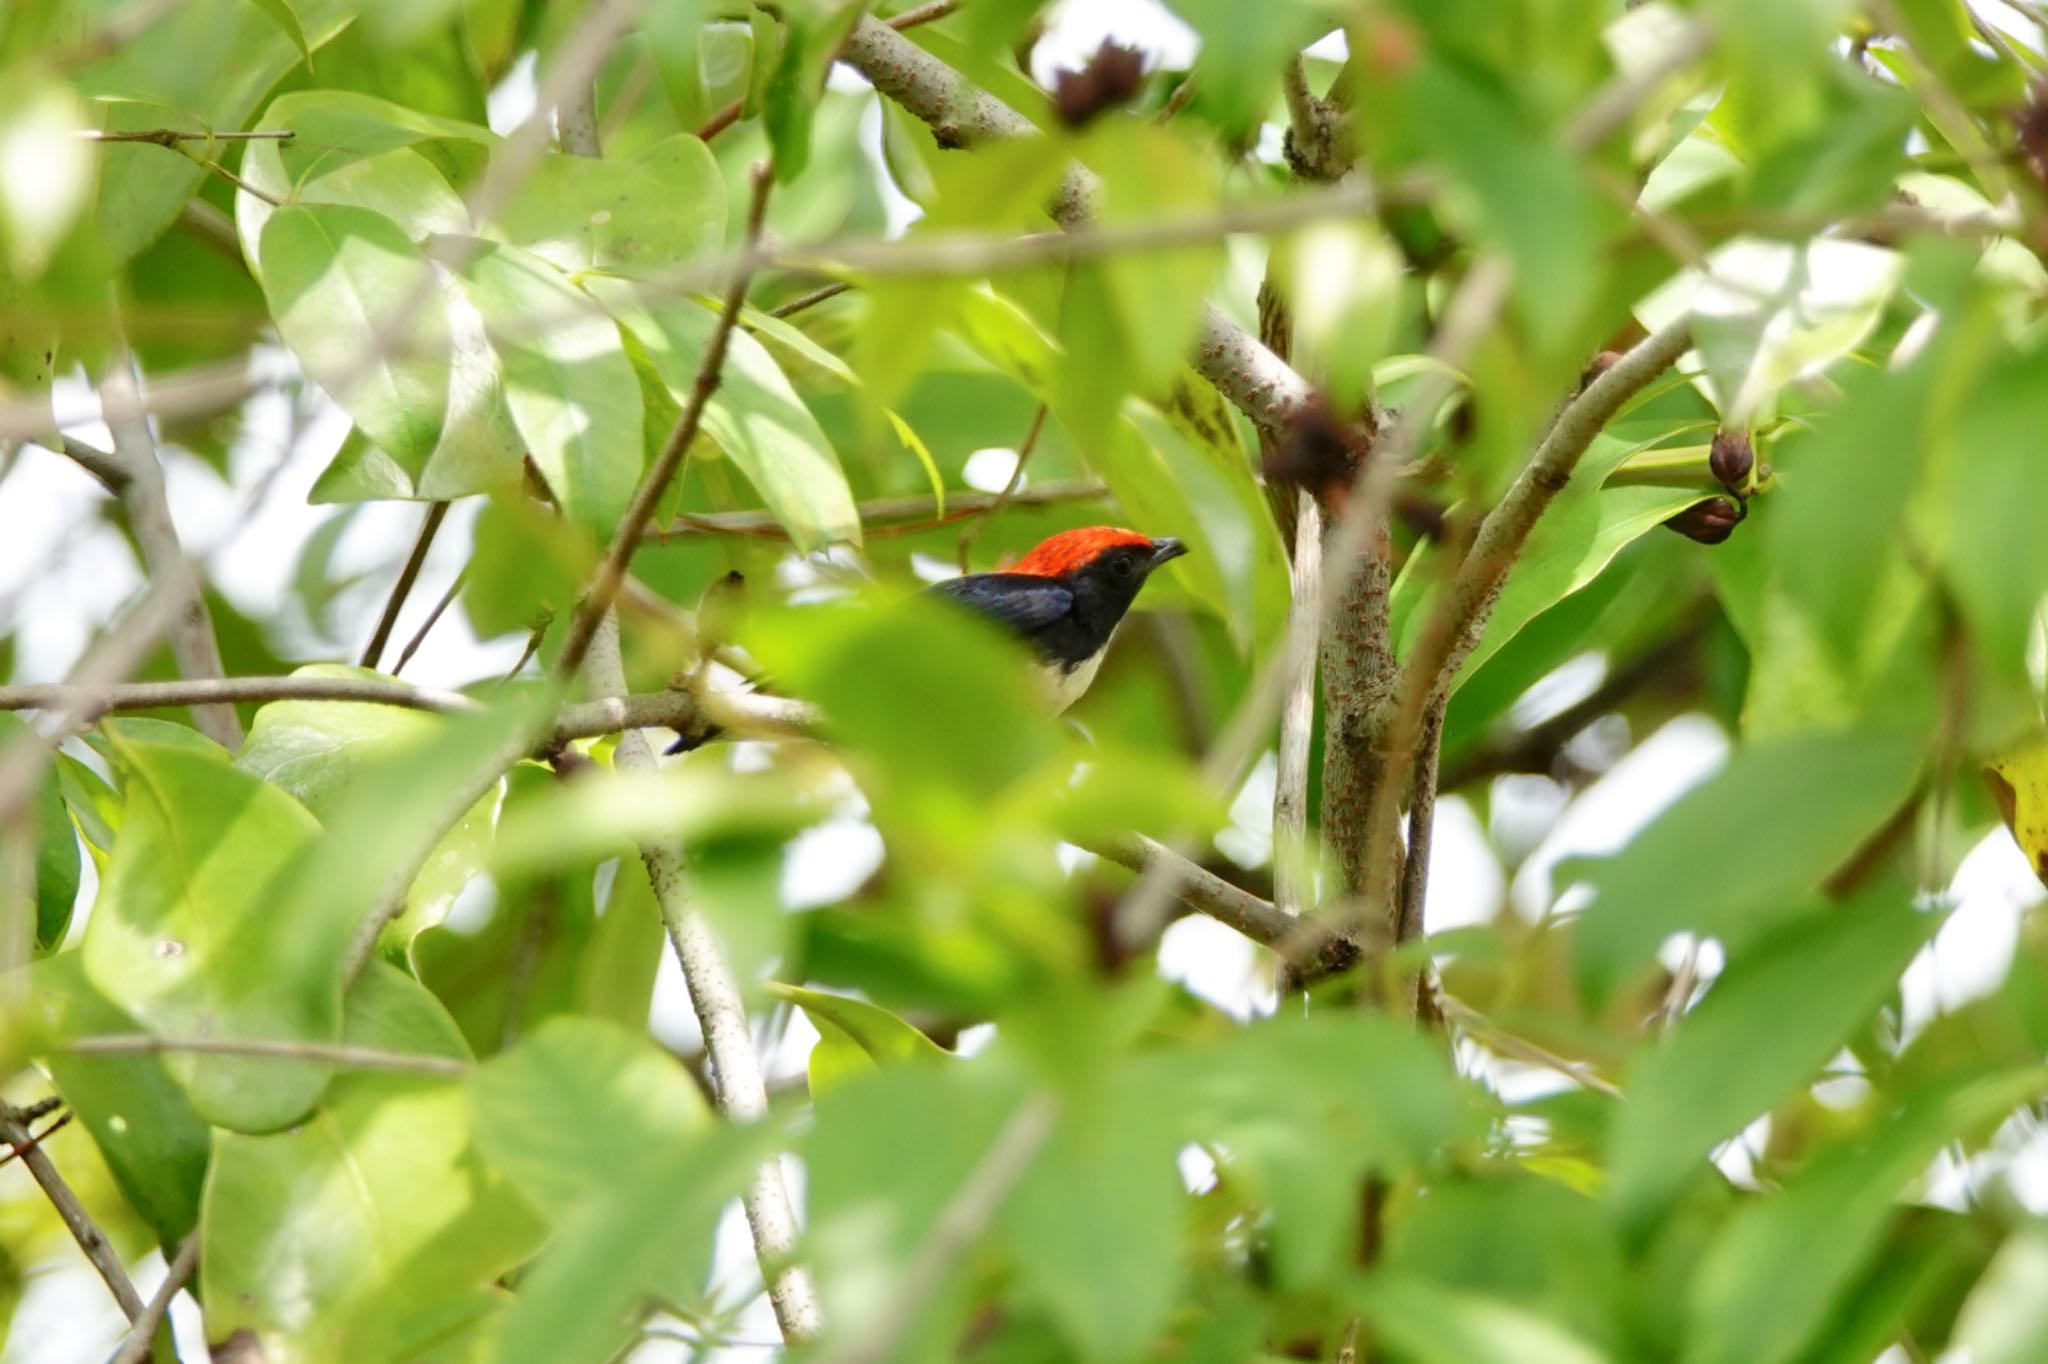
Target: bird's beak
x,y
1168,548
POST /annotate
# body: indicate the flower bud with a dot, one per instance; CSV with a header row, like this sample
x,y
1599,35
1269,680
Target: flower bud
x,y
1709,522
1731,459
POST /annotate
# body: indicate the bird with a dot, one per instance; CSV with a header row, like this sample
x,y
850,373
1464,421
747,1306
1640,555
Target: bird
x,y
1065,599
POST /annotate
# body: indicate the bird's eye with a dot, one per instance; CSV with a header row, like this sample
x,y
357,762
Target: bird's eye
x,y
1123,565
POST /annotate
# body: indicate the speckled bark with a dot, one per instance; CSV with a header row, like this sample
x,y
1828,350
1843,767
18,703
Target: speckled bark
x,y
1358,679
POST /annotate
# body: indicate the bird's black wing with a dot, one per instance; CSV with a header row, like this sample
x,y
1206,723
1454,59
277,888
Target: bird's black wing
x,y
1024,603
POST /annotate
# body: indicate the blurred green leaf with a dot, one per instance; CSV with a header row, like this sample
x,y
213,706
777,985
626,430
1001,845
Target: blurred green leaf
x,y
656,211
2005,1320
854,1035
1809,985
51,846
1755,838
1434,1325
1772,1274
632,1104
648,1233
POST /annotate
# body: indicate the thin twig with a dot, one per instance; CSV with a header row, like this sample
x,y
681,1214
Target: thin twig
x,y
144,497
171,137
1495,1038
88,701
373,652
1008,495
821,294
77,1220
1414,888
282,1049
960,1223
63,1121
135,1349
419,636
917,514
604,586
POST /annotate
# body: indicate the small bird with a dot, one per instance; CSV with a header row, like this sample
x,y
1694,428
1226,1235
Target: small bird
x,y
1066,598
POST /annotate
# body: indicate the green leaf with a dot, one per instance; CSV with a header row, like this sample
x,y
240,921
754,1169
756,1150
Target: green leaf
x,y
200,65
1809,986
339,281
1574,542
1781,1264
649,1234
633,1103
333,133
1768,312
854,1035
570,386
1094,1221
155,1146
325,752
52,846
2005,1320
654,212
1998,570
187,936
758,420
1431,1324
1754,839
349,1236
287,19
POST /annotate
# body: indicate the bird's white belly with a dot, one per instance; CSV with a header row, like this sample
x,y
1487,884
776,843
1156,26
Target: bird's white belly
x,y
1066,685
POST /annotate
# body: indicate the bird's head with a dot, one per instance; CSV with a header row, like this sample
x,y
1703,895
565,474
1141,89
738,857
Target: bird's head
x,y
1099,554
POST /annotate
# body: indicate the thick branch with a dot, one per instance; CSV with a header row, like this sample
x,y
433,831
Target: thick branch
x,y
77,1220
1231,358
722,1015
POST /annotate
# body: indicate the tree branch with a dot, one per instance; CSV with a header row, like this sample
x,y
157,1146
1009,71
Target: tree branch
x,y
77,1220
373,652
135,1349
89,701
143,496
721,1014
1251,376
604,587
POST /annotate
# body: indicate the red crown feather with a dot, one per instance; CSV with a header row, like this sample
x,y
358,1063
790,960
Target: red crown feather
x,y
1070,549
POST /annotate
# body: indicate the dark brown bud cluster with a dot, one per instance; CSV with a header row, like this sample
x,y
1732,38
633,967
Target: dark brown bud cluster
x,y
1709,522
1601,363
1109,80
1322,452
1731,458
2030,131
